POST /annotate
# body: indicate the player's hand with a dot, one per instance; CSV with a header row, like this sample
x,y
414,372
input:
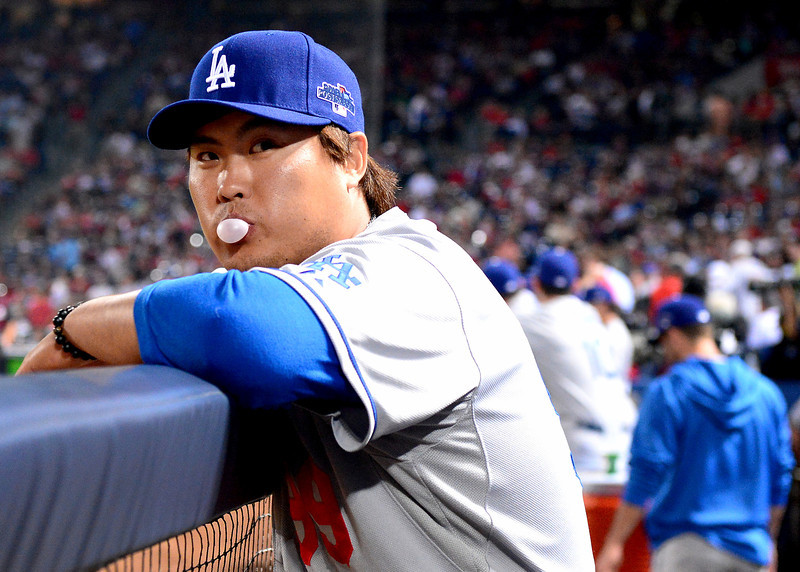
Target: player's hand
x,y
610,558
47,355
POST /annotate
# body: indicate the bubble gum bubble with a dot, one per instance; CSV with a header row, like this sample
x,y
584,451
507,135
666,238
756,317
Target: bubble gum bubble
x,y
232,230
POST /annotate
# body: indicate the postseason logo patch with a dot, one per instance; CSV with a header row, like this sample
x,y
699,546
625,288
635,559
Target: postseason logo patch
x,y
341,101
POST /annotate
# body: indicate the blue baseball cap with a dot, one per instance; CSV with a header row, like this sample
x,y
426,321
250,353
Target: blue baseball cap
x,y
557,268
279,75
503,275
598,295
680,311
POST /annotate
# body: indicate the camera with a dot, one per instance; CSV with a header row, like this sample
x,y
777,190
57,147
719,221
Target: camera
x,y
772,285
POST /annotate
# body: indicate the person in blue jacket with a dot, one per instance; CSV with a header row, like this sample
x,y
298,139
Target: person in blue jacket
x,y
711,459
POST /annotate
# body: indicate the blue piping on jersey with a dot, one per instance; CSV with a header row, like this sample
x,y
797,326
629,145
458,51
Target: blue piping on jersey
x,y
341,333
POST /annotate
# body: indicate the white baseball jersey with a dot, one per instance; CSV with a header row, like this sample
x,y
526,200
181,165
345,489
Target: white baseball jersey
x,y
574,357
454,458
621,342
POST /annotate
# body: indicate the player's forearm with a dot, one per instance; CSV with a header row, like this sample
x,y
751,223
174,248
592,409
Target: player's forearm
x,y
776,518
626,518
102,327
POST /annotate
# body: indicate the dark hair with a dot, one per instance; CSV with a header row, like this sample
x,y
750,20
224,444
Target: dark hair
x,y
379,183
554,290
697,331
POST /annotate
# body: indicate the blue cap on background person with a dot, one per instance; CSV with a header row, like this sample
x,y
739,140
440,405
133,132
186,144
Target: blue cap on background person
x,y
681,311
279,75
504,275
557,268
598,295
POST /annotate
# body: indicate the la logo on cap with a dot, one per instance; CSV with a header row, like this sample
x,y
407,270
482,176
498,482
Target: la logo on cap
x,y
220,70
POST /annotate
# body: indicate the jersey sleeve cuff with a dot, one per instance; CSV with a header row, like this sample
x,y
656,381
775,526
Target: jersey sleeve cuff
x,y
353,427
148,349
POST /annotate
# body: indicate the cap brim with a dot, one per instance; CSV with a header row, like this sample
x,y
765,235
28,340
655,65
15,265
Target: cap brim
x,y
174,126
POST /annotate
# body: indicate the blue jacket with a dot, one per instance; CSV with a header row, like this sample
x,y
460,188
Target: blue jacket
x,y
711,454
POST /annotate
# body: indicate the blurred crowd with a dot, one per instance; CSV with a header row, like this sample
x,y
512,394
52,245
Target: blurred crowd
x,y
52,64
600,132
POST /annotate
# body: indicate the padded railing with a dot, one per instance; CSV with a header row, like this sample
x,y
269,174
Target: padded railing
x,y
99,462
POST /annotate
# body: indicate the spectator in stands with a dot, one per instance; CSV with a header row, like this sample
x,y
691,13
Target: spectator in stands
x,y
781,361
747,269
671,283
710,502
597,272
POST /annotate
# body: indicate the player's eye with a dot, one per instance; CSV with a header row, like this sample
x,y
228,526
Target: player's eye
x,y
262,146
204,156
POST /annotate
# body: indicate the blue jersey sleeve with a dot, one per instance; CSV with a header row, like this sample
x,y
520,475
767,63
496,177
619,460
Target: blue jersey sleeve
x,y
249,333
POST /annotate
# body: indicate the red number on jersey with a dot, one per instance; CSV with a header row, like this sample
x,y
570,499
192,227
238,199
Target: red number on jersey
x,y
315,512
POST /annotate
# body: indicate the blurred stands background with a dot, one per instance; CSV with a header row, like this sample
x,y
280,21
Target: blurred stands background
x,y
661,139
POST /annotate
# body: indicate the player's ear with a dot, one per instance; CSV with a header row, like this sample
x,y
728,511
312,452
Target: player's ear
x,y
356,163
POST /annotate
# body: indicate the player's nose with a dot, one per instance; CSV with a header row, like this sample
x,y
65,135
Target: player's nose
x,y
235,179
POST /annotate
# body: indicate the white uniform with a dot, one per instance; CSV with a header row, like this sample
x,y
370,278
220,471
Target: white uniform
x,y
572,351
523,302
454,459
621,342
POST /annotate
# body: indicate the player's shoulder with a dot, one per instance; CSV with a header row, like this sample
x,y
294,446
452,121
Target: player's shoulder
x,y
394,254
396,228
663,387
397,242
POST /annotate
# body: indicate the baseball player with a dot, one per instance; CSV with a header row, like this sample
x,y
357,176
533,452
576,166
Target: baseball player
x,y
710,458
426,439
619,336
571,346
507,279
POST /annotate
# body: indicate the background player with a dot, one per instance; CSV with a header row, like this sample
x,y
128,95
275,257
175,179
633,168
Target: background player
x,y
710,459
507,279
571,346
425,439
619,336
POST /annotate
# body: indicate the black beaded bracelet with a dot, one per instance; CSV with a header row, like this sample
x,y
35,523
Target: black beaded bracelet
x,y
61,339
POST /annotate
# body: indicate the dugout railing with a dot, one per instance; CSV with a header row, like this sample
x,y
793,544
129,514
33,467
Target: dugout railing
x,y
130,468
